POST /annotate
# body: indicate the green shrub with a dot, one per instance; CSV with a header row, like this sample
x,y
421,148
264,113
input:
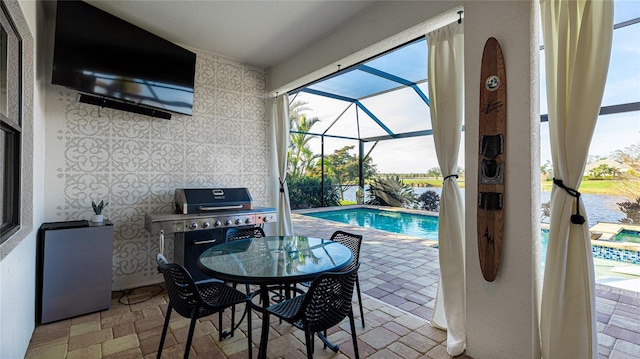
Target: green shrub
x,y
429,201
306,192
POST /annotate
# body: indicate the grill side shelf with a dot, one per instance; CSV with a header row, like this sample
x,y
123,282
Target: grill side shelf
x,y
179,223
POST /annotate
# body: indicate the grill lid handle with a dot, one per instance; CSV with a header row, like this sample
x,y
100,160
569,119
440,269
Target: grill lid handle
x,y
201,208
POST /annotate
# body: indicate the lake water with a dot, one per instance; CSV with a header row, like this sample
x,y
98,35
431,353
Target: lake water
x,y
600,208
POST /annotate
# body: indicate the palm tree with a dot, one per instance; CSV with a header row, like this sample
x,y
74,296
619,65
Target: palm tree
x,y
301,157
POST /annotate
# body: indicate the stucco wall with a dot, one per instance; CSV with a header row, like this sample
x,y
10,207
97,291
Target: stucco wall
x,y
17,255
136,162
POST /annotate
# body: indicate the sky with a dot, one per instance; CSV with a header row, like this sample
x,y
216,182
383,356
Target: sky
x,y
404,111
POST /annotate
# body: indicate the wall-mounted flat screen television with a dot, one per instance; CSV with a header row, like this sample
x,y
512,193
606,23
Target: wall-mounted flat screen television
x,y
99,54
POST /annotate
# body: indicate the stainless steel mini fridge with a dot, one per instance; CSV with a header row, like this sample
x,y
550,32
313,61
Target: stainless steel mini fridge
x,y
74,269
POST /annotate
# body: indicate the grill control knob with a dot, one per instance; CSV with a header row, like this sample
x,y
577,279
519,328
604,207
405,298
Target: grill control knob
x,y
227,222
217,224
247,221
238,221
193,225
206,225
265,219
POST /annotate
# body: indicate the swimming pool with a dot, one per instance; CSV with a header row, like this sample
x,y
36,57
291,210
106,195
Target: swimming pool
x,y
417,225
426,226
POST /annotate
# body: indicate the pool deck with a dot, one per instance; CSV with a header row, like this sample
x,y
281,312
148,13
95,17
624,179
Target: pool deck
x,y
405,275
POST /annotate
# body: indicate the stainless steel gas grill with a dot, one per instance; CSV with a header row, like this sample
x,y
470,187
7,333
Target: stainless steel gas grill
x,y
203,217
204,200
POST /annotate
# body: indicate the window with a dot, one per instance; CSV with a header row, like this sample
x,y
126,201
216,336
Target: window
x,y
10,125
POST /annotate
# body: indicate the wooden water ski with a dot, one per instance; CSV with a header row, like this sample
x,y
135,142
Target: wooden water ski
x,y
491,158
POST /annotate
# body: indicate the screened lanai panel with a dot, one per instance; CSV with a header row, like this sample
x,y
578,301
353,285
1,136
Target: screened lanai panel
x,y
408,62
388,95
408,155
334,120
612,133
333,144
617,131
625,10
405,155
314,143
401,111
623,79
354,84
404,65
324,108
356,123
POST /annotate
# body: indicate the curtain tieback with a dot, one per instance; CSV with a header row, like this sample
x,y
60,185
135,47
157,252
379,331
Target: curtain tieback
x,y
282,182
449,176
575,218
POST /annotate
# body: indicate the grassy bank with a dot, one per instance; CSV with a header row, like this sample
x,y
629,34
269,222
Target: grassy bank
x,y
427,182
604,187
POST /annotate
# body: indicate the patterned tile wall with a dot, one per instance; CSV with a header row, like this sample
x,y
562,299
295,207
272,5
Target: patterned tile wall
x,y
135,162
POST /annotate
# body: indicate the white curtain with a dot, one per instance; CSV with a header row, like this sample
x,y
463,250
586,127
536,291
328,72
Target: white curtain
x,y
446,93
281,118
577,42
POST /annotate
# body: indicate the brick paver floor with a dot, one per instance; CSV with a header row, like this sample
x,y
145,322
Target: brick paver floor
x,y
403,272
398,277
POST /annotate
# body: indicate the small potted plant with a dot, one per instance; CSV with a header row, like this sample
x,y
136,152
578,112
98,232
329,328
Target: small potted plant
x,y
97,210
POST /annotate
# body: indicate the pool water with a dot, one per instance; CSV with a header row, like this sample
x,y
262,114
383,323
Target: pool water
x,y
426,226
628,236
417,225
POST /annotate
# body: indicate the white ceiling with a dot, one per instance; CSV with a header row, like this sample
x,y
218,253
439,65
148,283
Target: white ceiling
x,y
258,33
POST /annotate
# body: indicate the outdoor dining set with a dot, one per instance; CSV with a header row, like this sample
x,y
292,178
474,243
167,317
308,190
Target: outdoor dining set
x,y
305,281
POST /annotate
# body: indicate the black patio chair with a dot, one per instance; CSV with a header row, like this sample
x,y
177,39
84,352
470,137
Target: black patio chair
x,y
197,300
323,306
353,242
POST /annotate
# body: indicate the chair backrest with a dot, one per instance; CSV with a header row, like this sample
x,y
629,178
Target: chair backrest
x,y
234,234
328,300
183,293
351,241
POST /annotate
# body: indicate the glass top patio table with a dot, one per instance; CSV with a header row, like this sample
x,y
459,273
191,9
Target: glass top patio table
x,y
278,260
274,260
